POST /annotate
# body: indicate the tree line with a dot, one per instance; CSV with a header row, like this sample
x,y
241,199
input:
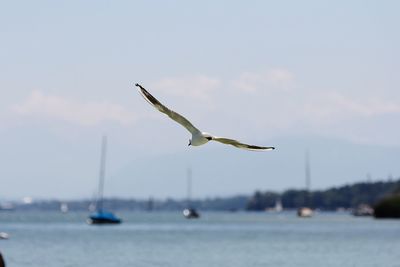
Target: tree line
x,y
347,196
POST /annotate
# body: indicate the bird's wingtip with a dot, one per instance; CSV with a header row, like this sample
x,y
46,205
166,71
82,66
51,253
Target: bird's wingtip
x,y
136,84
269,148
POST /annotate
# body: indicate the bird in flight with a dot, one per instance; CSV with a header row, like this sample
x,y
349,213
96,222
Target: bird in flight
x,y
198,137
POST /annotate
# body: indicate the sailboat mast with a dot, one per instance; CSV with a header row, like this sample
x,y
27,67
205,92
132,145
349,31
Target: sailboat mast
x,y
308,179
102,172
308,172
189,186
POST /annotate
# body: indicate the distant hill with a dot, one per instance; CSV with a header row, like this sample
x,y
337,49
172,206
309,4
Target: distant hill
x,y
218,170
224,171
347,196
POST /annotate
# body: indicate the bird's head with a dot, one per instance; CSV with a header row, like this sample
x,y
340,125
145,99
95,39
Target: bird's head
x,y
190,142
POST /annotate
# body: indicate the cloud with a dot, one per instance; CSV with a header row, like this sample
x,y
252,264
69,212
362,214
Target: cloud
x,y
337,106
59,108
194,86
367,107
306,105
277,105
276,79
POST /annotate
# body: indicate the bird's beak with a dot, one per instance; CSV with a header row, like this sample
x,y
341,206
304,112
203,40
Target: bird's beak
x,y
189,143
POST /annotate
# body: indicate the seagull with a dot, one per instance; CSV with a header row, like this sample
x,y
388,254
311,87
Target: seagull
x,y
198,137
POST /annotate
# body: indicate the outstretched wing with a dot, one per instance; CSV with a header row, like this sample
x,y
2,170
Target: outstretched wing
x,y
241,145
170,113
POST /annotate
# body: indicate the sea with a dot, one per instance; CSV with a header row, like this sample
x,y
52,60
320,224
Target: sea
x,y
231,239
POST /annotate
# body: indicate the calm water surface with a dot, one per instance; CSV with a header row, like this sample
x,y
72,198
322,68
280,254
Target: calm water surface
x,y
217,239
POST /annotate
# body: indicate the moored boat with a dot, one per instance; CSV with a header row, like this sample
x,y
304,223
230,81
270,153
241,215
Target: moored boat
x,y
101,216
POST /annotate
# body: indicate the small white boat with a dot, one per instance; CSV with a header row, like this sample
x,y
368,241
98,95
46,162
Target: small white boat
x,y
363,210
64,207
305,212
4,235
278,206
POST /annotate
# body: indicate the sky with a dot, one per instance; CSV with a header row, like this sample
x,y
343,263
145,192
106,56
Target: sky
x,y
298,75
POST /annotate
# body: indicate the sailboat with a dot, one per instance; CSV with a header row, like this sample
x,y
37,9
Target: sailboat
x,y
306,212
64,207
101,216
190,212
4,235
278,205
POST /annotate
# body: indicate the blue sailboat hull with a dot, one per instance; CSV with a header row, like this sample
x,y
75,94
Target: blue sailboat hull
x,y
102,217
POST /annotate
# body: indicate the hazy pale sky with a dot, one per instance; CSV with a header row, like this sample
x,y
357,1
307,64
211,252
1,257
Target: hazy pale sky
x,y
311,74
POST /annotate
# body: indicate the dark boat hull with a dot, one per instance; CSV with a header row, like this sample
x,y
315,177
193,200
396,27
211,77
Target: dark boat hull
x,y
103,218
103,221
191,213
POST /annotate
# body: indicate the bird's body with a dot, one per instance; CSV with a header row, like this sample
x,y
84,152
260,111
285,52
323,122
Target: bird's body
x,y
198,137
